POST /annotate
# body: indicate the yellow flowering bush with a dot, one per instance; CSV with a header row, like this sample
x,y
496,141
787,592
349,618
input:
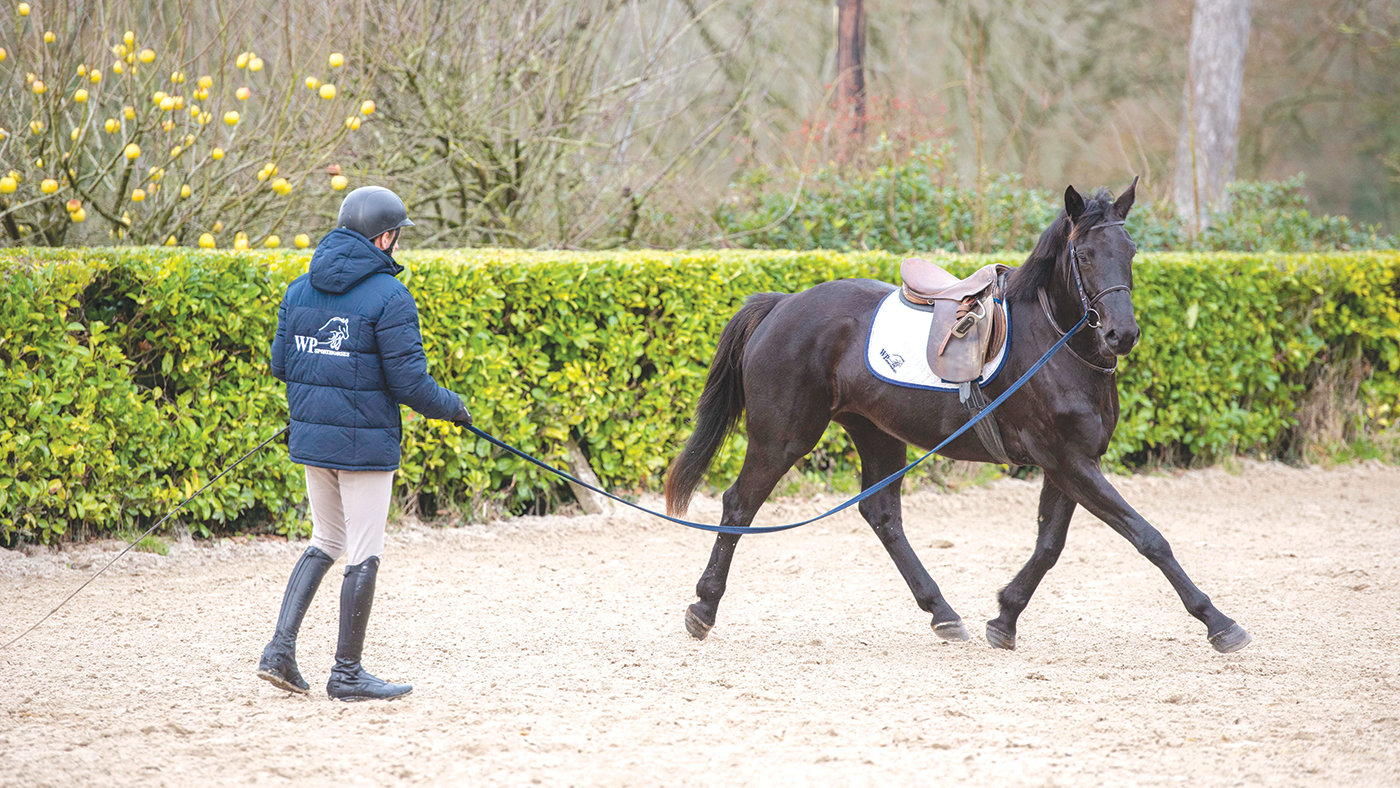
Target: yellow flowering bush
x,y
120,125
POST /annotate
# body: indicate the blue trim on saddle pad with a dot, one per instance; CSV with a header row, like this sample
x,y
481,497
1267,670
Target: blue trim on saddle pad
x,y
923,351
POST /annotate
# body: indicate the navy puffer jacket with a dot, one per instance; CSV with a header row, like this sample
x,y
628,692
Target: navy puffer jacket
x,y
349,349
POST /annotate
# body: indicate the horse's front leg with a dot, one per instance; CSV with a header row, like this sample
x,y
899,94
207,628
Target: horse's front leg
x,y
1056,508
1085,483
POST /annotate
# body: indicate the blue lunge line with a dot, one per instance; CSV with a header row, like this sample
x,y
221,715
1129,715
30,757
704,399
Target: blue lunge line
x,y
869,491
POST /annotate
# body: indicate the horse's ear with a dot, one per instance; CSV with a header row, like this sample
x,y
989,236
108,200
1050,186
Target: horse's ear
x,y
1124,203
1074,204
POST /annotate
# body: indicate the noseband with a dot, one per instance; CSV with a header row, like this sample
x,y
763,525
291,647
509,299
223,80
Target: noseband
x,y
1092,317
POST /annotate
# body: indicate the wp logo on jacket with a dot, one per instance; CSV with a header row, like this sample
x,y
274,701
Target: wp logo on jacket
x,y
328,338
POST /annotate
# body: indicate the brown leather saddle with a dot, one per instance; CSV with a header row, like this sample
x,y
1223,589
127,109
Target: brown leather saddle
x,y
968,328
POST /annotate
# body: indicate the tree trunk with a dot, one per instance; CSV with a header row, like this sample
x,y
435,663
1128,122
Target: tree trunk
x,y
850,66
1209,144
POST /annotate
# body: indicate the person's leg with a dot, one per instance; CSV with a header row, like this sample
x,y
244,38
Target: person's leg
x,y
329,525
366,499
279,663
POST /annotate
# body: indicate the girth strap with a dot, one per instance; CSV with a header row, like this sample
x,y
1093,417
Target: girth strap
x,y
972,398
987,431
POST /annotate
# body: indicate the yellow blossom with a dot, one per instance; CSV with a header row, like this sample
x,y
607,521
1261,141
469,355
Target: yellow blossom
x,y
147,55
94,76
176,151
138,195
231,118
129,112
132,151
38,87
189,140
243,94
352,123
82,69
204,118
255,63
272,242
339,182
206,241
157,97
337,60
112,126
240,242
119,50
78,215
49,37
185,191
23,9
206,82
169,125
48,186
367,108
167,103
7,185
282,186
80,95
302,240
155,173
219,226
201,94
328,91
129,37
170,241
177,77
36,126
73,135
117,67
242,61
216,154
74,204
312,83
3,54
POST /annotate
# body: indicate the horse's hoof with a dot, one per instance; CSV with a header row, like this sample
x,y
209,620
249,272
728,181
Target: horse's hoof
x,y
951,630
1000,638
1232,639
698,629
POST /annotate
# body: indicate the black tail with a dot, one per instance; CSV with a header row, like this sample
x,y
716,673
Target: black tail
x,y
721,403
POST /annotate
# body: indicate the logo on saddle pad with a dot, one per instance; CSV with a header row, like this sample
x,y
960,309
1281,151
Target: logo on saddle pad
x,y
331,336
893,359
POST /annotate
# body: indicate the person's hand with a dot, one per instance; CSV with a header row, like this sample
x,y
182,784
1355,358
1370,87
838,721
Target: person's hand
x,y
464,418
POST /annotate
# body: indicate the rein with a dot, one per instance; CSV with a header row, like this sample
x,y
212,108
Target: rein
x,y
1085,301
866,493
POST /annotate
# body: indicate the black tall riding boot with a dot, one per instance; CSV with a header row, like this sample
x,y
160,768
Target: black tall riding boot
x,y
279,658
350,681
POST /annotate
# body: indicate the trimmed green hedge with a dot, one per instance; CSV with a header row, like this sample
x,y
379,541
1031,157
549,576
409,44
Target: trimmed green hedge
x,y
131,375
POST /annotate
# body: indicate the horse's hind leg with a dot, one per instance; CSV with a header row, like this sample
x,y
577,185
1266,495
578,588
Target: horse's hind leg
x,y
882,454
767,459
1056,508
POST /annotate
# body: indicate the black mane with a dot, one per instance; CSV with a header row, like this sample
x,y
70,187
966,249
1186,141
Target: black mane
x,y
1039,267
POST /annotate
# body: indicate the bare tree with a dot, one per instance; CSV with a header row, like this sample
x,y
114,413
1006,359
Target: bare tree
x,y
1207,148
850,65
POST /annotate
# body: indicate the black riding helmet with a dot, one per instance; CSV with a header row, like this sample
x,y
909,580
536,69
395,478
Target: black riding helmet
x,y
372,211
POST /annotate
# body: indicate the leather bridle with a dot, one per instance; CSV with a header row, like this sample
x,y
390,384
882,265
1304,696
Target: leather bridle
x,y
1092,317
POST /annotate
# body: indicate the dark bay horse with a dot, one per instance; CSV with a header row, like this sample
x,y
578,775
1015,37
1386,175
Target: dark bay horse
x,y
793,363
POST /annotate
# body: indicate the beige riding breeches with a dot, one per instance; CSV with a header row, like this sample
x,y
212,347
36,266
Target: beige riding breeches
x,y
348,511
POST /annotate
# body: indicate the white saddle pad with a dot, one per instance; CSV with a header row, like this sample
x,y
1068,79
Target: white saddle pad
x,y
897,351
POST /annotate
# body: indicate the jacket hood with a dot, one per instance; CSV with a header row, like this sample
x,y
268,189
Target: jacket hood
x,y
344,258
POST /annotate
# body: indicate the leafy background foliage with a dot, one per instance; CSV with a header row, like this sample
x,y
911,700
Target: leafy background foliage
x,y
128,376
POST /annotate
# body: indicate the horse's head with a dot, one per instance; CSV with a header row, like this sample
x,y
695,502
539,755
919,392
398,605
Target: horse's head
x,y
1100,269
